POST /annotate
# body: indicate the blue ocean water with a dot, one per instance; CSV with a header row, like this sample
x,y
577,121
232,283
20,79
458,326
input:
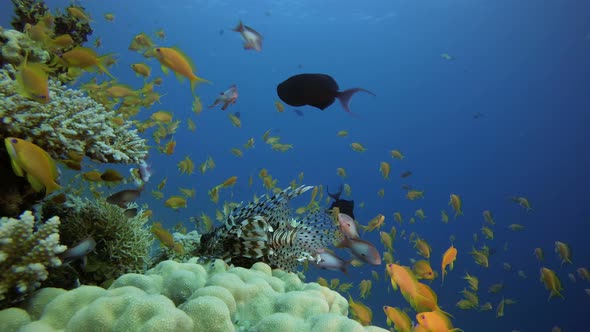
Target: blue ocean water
x,y
507,116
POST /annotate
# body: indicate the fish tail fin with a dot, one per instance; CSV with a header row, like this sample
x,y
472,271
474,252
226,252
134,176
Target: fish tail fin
x,y
104,70
239,27
51,187
336,195
346,95
197,80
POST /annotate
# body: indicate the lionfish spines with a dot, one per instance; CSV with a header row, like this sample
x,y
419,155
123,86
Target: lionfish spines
x,y
265,231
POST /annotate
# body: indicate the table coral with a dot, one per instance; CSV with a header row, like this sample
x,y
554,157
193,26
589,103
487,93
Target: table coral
x,y
70,123
191,297
25,254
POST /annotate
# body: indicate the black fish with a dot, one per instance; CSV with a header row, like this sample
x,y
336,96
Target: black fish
x,y
317,90
343,205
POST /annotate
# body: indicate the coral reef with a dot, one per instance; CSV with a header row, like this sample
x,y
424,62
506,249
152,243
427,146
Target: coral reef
x,y
15,44
189,297
122,242
27,11
70,123
25,255
68,24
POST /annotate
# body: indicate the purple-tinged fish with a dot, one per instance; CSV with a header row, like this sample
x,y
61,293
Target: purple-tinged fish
x,y
228,97
79,251
348,226
252,39
329,261
363,250
124,197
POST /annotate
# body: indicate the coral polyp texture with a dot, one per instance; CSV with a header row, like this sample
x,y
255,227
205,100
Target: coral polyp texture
x,y
189,297
70,123
25,254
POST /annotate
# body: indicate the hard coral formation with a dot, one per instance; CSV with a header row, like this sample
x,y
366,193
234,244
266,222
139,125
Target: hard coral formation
x,y
68,24
70,123
27,11
122,243
190,297
25,255
15,44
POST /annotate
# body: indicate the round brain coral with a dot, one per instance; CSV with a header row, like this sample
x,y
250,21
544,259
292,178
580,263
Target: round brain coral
x,y
191,297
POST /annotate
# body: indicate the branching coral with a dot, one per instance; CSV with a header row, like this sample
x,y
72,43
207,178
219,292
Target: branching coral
x,y
25,254
122,243
70,123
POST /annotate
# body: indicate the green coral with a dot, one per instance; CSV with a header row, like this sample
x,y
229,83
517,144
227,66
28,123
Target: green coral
x,y
70,123
190,297
123,243
25,255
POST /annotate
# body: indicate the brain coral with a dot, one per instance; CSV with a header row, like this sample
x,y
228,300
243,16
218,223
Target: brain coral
x,y
189,297
70,123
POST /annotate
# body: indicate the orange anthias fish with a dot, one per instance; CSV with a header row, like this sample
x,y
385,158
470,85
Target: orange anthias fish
x,y
32,81
455,202
435,321
552,283
228,97
252,39
86,58
449,258
28,158
399,318
179,63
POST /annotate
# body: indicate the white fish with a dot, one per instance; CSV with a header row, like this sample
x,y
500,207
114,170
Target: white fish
x,y
252,39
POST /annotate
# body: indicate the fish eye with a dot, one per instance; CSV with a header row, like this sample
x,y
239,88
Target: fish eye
x,y
157,49
42,97
423,317
14,141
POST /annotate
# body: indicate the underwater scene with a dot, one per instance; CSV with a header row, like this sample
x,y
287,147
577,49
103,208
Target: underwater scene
x,y
219,165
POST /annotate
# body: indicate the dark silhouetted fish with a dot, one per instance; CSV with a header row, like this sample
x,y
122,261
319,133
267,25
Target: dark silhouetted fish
x,y
406,174
346,207
124,197
317,90
298,112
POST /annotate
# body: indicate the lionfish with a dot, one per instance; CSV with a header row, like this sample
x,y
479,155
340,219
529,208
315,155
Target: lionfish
x,y
264,231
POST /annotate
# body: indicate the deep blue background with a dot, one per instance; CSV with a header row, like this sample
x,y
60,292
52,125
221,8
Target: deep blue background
x,y
525,65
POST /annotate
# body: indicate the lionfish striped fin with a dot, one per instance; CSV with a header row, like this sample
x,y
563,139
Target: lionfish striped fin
x,y
274,205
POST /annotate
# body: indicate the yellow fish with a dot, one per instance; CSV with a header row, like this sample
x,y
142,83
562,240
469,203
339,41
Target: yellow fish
x,y
32,81
399,318
141,69
85,58
175,202
28,158
384,168
358,147
449,258
455,202
280,107
396,154
552,283
235,120
171,58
